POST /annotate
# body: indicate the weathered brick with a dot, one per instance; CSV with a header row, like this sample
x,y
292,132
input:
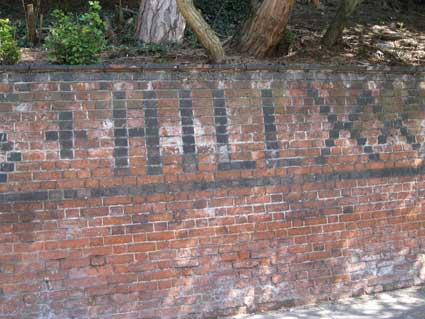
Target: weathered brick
x,y
131,187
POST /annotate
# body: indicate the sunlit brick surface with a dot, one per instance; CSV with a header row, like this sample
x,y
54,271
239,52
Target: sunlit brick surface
x,y
202,193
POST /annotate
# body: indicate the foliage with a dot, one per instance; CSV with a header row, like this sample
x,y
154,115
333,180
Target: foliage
x,y
77,40
224,16
9,52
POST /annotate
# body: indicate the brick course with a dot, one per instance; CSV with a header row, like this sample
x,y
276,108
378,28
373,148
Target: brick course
x,y
203,191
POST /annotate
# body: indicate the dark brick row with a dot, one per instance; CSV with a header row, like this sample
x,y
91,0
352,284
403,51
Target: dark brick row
x,y
155,188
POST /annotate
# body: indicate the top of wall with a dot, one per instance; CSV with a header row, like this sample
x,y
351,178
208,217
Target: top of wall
x,y
39,68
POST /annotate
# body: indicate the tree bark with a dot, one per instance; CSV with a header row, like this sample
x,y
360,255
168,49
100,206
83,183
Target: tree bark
x,y
203,31
261,34
160,22
31,24
334,32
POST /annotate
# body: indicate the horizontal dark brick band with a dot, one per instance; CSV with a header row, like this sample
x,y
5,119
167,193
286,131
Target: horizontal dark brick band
x,y
24,196
149,189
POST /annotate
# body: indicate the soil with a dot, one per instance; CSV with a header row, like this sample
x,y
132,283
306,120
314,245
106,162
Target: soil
x,y
375,35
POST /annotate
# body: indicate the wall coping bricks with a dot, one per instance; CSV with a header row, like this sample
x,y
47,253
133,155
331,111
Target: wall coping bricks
x,y
40,68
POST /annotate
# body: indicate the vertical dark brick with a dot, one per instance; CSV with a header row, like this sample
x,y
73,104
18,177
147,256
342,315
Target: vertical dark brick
x,y
65,135
190,159
269,118
119,116
220,118
152,138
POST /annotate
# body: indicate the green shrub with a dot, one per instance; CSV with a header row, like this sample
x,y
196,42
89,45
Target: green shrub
x,y
9,52
77,40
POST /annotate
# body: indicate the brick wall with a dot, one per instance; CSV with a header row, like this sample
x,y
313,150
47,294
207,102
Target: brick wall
x,y
196,192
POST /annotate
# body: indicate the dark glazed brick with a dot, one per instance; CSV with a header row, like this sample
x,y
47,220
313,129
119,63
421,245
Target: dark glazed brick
x,y
14,157
185,104
65,116
411,139
353,117
235,165
348,125
361,141
220,111
382,139
149,95
136,132
218,94
70,194
3,137
67,154
6,147
27,196
154,170
185,94
119,114
120,152
332,118
223,139
120,142
334,134
55,195
374,157
330,142
153,140
151,131
188,130
120,132
404,131
188,139
325,151
119,104
398,123
66,135
266,93
52,136
121,161
150,113
66,144
368,149
155,160
188,149
66,125
338,126
3,178
119,95
348,210
320,160
324,109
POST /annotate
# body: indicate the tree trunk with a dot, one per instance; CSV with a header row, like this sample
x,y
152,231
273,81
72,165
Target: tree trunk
x,y
261,34
160,22
31,24
204,33
334,32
